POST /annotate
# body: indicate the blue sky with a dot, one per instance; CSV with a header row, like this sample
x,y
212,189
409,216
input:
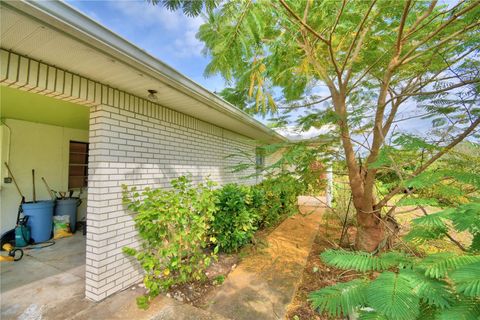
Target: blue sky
x,y
167,35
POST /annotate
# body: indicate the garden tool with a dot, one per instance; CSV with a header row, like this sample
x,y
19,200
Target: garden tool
x,y
33,181
15,182
13,254
21,228
50,190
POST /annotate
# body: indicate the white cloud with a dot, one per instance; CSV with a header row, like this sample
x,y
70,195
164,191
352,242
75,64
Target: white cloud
x,y
142,14
294,133
189,45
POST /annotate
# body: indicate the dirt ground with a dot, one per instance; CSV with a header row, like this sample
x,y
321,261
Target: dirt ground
x,y
195,293
199,293
318,275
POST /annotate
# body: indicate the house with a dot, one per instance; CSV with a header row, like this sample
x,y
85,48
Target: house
x,y
69,87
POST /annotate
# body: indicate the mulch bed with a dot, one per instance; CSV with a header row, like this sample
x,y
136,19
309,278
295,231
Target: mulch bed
x,y
318,275
195,293
198,293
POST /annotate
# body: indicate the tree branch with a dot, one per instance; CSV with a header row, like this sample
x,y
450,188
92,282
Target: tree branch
x,y
439,29
419,20
357,34
422,168
297,17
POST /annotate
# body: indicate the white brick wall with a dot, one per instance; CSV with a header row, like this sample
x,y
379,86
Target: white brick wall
x,y
145,145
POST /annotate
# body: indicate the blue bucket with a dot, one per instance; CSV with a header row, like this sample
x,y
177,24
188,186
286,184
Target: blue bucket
x,y
68,207
40,219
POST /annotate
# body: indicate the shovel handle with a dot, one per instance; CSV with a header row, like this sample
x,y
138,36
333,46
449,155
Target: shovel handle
x,y
15,182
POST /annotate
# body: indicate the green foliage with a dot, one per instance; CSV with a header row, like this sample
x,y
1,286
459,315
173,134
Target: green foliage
x,y
435,287
304,160
437,265
465,217
235,221
392,295
354,65
172,225
241,210
280,198
467,279
362,261
189,8
341,298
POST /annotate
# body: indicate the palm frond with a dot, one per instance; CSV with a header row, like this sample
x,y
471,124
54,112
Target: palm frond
x,y
392,294
363,261
340,299
462,310
437,265
467,279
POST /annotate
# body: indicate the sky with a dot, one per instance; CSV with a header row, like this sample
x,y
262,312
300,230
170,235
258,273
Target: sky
x,y
170,37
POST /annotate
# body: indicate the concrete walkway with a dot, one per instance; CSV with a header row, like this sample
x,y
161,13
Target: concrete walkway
x,y
263,285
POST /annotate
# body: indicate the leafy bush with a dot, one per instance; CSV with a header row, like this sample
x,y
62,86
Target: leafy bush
x,y
241,210
439,286
235,220
173,226
271,210
280,199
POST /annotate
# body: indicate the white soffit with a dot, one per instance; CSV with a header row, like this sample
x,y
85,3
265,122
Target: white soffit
x,y
55,33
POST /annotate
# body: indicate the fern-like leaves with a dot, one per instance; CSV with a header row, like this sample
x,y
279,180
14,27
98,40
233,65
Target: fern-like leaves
x,y
462,310
363,261
392,294
432,292
340,299
467,279
437,265
371,315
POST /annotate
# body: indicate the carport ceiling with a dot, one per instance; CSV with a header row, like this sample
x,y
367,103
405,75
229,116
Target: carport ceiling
x,y
21,105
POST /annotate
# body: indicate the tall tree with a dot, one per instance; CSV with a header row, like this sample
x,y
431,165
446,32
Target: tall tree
x,y
368,67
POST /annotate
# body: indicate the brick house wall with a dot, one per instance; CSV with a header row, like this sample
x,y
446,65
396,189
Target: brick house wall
x,y
145,147
133,141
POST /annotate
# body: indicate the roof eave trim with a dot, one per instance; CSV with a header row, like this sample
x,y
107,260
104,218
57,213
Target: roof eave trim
x,y
66,14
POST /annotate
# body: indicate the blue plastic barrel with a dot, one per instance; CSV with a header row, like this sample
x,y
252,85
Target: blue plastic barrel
x,y
40,219
68,207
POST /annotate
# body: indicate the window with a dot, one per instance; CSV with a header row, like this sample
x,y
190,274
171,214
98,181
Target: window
x,y
259,159
78,165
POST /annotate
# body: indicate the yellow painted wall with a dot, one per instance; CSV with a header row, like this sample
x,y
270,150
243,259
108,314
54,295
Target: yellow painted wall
x,y
42,147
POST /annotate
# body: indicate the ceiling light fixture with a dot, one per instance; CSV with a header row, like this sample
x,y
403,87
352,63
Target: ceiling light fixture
x,y
152,95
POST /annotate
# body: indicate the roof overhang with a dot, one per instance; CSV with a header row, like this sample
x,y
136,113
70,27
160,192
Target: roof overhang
x,y
58,34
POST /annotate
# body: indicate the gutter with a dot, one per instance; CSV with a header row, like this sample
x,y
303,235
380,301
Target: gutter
x,y
59,15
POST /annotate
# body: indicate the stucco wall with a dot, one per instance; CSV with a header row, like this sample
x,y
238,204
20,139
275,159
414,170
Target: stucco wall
x,y
145,147
45,148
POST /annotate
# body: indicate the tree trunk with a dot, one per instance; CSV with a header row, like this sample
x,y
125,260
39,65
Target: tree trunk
x,y
370,232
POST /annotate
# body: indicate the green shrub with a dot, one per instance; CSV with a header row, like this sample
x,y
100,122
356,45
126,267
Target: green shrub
x,y
290,189
172,225
235,220
280,199
271,211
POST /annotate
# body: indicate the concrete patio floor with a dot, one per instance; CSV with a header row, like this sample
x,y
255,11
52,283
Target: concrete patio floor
x,y
49,284
43,278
